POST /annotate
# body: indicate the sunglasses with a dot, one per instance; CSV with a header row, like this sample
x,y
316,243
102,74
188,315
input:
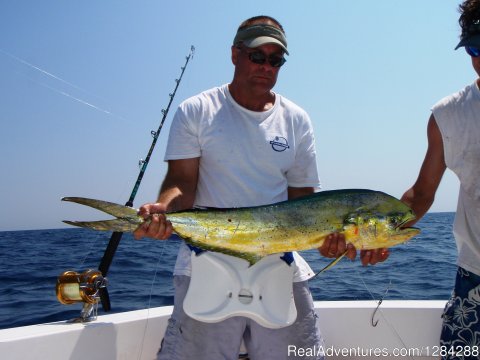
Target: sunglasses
x,y
258,57
472,51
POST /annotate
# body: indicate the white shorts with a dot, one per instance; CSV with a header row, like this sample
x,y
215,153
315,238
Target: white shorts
x,y
187,339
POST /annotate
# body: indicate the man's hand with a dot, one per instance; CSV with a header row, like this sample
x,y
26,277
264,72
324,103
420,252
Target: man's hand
x,y
156,225
335,245
373,257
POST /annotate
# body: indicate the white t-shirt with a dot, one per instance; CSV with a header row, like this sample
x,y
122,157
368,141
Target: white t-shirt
x,y
247,158
458,118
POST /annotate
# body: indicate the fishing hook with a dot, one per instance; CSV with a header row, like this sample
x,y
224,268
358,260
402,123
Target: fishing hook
x,y
392,328
375,323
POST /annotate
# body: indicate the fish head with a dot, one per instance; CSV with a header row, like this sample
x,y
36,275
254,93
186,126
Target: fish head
x,y
380,232
400,236
381,225
395,232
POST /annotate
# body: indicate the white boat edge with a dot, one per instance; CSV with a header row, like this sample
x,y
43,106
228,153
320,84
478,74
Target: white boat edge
x,y
406,328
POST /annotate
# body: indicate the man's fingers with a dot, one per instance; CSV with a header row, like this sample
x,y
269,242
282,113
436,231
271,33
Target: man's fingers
x,y
351,252
373,257
333,246
157,227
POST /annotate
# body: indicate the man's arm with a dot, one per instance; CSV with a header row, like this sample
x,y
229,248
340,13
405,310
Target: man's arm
x,y
421,195
180,184
177,193
295,192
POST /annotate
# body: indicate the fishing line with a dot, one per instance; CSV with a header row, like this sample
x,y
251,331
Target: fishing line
x,y
150,297
88,252
117,235
375,323
379,310
79,100
64,93
42,71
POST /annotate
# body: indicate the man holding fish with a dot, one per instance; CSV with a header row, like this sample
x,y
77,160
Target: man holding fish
x,y
241,145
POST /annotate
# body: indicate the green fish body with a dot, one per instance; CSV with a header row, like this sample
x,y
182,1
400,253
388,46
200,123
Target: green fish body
x,y
368,219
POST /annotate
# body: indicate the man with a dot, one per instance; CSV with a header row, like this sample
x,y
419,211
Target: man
x,y
241,145
454,142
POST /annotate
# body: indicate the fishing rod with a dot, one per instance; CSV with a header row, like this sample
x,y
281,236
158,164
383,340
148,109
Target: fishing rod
x,y
117,236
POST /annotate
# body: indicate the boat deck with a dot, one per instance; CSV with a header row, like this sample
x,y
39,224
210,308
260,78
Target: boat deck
x,y
408,329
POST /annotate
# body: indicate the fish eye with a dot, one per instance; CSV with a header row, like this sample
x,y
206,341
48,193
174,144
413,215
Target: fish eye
x,y
394,219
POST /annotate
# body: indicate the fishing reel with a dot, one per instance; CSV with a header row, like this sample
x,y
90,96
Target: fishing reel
x,y
73,287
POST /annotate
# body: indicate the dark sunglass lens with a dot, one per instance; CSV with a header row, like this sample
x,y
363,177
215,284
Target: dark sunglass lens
x,y
277,61
257,57
472,51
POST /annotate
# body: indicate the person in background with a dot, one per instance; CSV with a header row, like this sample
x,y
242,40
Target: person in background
x,y
454,142
240,145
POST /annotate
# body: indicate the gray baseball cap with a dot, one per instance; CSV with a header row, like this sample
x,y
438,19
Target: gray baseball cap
x,y
260,34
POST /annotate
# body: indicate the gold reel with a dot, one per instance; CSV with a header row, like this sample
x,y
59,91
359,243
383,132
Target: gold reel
x,y
73,287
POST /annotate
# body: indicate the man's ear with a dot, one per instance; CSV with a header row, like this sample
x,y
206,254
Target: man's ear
x,y
235,52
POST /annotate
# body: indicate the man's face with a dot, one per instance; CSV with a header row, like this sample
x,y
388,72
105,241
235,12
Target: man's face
x,y
476,64
249,70
474,51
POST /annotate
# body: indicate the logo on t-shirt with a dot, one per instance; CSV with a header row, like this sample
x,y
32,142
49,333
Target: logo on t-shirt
x,y
279,144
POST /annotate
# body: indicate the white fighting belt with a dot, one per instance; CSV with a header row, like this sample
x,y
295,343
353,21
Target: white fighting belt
x,y
223,286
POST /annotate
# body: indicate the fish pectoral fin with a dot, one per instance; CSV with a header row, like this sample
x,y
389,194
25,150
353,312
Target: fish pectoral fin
x,y
120,225
113,209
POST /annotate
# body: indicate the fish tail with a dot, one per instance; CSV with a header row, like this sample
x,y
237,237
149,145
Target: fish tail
x,y
113,209
120,225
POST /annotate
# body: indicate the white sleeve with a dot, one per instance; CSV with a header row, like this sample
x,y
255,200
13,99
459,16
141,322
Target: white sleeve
x,y
304,173
183,138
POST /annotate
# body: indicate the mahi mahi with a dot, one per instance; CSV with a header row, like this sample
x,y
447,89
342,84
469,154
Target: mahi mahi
x,y
368,219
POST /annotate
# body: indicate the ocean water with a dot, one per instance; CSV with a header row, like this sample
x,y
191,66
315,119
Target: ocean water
x,y
141,273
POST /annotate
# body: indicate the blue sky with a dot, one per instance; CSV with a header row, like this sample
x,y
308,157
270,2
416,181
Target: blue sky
x,y
83,84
